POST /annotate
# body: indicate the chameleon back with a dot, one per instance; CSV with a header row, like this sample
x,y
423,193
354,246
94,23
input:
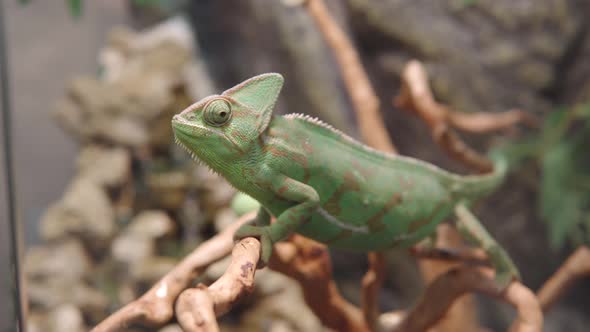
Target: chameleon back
x,y
369,200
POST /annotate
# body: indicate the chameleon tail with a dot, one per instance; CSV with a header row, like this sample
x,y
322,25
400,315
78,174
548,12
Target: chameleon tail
x,y
472,187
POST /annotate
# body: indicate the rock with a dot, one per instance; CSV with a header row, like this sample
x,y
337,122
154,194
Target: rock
x,y
215,192
123,130
151,224
127,291
224,218
168,189
109,167
142,86
66,318
96,110
150,270
36,321
66,261
135,247
129,248
216,270
48,294
85,210
482,56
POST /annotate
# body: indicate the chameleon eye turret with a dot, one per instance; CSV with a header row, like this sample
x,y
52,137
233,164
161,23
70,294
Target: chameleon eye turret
x,y
217,112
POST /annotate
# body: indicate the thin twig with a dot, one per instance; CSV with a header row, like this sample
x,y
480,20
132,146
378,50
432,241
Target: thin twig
x,y
155,307
417,96
483,122
364,100
370,287
575,267
197,308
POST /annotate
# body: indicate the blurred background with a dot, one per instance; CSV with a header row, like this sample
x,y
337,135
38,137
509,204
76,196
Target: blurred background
x,y
108,204
46,48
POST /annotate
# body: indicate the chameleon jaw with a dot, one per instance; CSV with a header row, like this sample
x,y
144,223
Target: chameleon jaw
x,y
187,149
181,125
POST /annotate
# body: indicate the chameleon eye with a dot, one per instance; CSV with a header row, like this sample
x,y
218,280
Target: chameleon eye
x,y
217,112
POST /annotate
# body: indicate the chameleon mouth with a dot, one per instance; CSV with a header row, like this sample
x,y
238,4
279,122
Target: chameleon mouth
x,y
180,143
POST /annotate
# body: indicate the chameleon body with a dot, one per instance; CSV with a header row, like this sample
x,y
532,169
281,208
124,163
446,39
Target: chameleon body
x,y
324,184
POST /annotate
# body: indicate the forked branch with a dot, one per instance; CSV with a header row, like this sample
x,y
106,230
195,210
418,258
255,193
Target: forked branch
x,y
416,95
197,308
155,307
441,293
309,263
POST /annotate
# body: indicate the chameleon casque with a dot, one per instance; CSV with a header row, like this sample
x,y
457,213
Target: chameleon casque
x,y
325,185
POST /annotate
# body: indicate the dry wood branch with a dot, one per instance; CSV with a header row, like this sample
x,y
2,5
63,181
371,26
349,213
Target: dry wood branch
x,y
482,122
363,97
309,263
370,287
197,308
417,96
440,295
155,307
575,267
461,315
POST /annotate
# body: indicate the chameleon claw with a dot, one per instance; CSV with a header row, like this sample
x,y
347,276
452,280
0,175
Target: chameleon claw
x,y
506,272
262,234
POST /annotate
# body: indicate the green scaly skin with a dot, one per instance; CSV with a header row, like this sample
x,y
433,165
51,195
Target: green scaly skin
x,y
325,185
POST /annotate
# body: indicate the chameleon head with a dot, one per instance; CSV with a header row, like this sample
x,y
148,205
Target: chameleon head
x,y
222,128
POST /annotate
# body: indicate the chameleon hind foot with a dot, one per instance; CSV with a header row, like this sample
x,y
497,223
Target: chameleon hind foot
x,y
506,271
473,230
262,233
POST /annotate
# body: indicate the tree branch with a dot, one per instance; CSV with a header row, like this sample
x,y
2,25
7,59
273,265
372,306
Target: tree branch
x,y
482,122
370,287
197,308
416,95
364,100
440,295
155,307
309,263
575,267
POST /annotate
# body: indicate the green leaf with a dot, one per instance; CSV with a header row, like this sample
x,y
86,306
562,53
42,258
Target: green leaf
x,y
145,2
75,7
564,198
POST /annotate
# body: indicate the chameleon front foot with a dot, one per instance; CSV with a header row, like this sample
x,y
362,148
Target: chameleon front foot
x,y
262,234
